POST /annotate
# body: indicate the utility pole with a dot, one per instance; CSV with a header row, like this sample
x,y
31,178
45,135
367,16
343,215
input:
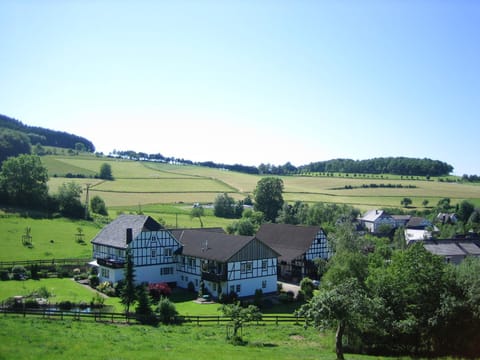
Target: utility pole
x,y
86,202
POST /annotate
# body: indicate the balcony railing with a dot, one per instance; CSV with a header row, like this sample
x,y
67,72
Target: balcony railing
x,y
111,263
211,276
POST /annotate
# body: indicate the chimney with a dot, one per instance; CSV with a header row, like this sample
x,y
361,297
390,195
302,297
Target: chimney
x,y
129,235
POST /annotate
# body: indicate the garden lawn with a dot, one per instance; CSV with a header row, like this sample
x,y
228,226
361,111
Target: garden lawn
x,y
60,289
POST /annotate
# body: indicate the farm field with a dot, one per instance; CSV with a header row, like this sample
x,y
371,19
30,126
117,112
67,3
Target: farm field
x,y
141,183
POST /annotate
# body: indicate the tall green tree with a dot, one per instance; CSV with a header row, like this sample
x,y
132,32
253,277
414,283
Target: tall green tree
x,y
69,200
23,181
341,307
128,294
143,310
106,172
226,207
465,210
98,205
13,143
269,197
411,285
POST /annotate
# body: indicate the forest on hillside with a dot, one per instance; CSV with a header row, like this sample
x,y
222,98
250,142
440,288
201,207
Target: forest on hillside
x,y
39,135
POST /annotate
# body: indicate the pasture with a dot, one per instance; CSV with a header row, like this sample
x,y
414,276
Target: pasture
x,y
147,183
51,238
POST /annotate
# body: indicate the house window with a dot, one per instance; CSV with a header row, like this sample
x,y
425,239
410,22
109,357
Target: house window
x,y
232,288
166,271
264,265
105,273
196,282
264,284
246,267
214,287
153,253
238,288
168,251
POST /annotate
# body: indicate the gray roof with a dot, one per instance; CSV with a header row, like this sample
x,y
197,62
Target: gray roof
x,y
114,234
210,244
373,215
453,247
444,249
418,222
291,241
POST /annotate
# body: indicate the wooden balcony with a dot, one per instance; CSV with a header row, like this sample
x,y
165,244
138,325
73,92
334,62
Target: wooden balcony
x,y
213,277
111,263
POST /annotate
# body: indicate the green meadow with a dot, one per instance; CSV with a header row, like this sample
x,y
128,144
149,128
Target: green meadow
x,y
146,183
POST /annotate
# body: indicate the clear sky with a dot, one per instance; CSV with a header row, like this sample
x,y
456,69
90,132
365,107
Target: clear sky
x,y
249,81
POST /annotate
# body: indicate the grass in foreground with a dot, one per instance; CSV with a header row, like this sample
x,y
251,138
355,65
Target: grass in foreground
x,y
34,338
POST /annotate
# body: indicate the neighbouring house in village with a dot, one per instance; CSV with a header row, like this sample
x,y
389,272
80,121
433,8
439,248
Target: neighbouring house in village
x,y
298,247
447,218
225,263
454,250
419,229
376,220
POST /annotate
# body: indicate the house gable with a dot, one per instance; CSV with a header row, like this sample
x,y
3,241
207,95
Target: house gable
x,y
293,242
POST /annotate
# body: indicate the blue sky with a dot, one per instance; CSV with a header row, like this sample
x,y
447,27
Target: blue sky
x,y
249,82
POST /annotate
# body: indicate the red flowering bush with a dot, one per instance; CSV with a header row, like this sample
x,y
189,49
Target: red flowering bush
x,y
157,290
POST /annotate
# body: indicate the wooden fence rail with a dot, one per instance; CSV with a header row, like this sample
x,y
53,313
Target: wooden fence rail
x,y
124,318
44,262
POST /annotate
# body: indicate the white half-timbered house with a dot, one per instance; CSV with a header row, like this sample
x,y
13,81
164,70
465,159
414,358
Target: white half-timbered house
x,y
298,247
225,263
153,250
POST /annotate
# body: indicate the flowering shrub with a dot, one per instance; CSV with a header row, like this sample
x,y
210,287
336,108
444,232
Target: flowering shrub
x,y
157,290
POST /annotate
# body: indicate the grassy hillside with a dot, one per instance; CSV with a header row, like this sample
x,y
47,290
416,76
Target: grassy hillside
x,y
146,183
51,239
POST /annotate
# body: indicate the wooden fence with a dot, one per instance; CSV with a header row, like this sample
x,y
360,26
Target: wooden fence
x,y
124,318
45,262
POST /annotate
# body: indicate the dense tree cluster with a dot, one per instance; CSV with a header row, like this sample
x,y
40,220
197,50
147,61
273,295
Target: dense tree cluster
x,y
13,143
397,301
23,183
39,135
388,165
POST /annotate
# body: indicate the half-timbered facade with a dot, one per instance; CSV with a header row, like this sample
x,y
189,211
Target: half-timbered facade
x,y
298,247
153,250
225,263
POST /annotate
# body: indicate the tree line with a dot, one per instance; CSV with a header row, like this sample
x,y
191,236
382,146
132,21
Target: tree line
x,y
382,165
